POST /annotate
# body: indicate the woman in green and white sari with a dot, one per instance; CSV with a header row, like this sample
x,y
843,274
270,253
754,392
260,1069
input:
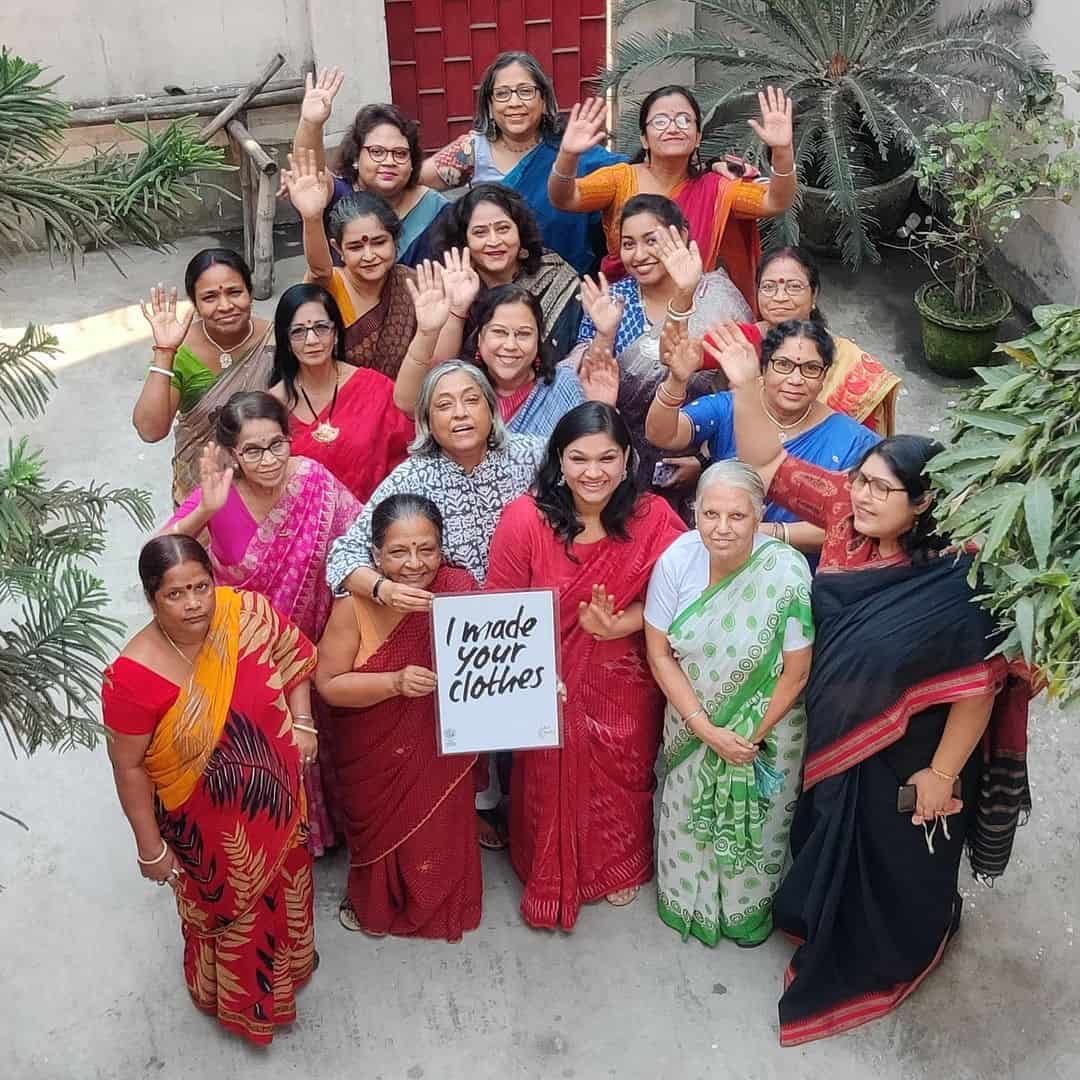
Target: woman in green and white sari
x,y
729,631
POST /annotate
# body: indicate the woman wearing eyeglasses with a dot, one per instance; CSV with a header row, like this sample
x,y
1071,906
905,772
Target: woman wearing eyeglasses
x,y
271,517
795,361
514,141
722,212
380,153
370,287
900,696
340,415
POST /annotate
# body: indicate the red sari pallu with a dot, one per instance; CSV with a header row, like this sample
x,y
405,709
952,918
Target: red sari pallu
x,y
581,818
229,795
410,817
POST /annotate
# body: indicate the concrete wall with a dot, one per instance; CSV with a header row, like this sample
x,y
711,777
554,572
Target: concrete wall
x,y
120,49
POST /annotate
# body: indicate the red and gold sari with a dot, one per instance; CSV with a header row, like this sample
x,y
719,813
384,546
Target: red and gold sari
x,y
229,795
410,817
581,817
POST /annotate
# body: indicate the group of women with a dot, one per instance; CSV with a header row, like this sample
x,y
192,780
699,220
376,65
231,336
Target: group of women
x,y
444,406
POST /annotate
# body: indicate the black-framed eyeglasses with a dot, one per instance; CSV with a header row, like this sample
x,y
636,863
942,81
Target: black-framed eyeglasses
x,y
399,154
278,448
524,91
879,489
812,369
684,121
298,334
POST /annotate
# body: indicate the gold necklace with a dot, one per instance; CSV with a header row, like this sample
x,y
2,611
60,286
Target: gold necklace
x,y
180,652
325,432
225,356
783,429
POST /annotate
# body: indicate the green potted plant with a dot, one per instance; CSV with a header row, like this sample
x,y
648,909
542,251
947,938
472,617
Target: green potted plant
x,y
978,177
867,78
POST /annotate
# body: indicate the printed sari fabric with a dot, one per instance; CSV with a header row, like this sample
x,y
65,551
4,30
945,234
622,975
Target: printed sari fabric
x,y
380,337
373,433
581,817
284,558
202,392
723,841
874,902
227,780
544,404
409,813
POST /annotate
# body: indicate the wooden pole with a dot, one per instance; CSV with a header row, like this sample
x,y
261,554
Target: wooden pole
x,y
264,236
239,134
223,93
247,198
243,98
173,109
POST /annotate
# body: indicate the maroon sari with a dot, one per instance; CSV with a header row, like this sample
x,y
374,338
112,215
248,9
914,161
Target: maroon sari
x,y
581,818
409,813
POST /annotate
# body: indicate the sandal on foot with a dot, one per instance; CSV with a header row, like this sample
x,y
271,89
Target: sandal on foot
x,y
622,897
492,831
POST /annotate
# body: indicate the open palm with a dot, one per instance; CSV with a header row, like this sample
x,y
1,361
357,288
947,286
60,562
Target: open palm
x,y
429,298
460,281
586,126
309,187
319,95
168,327
682,262
775,128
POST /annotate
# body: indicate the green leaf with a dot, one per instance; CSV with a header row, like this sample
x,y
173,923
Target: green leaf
x,y
1039,516
1002,422
1045,314
1003,521
1025,625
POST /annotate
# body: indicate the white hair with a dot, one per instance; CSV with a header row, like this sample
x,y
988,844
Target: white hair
x,y
425,443
736,474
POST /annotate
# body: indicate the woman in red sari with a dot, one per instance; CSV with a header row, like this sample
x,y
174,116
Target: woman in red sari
x,y
208,714
581,818
409,813
341,416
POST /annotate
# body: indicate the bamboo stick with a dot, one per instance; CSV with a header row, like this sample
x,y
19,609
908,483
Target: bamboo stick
x,y
264,236
200,94
178,107
243,98
247,198
260,159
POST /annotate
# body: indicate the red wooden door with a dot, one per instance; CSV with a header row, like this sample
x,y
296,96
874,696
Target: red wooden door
x,y
439,50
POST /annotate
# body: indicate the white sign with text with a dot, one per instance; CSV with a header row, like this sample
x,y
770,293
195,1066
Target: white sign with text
x,y
496,659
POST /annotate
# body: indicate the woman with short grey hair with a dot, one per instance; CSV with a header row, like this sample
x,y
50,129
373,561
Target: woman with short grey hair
x,y
728,631
466,462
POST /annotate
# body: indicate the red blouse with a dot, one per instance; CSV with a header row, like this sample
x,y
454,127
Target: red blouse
x,y
134,698
823,498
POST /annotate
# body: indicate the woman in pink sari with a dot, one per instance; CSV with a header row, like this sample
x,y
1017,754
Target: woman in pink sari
x,y
581,817
271,518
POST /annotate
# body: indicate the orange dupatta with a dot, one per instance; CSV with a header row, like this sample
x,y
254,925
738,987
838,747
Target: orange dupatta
x,y
186,735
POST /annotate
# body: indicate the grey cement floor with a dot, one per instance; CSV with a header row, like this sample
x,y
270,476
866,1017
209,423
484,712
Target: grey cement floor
x,y
90,976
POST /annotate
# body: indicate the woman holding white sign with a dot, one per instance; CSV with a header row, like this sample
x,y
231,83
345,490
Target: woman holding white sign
x,y
581,818
729,629
409,818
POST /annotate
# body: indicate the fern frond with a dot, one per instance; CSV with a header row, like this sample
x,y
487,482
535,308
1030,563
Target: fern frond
x,y
25,379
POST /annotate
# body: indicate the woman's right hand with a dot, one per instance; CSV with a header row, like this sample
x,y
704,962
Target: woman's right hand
x,y
405,598
586,127
429,298
214,481
414,681
684,359
683,262
732,748
738,359
460,280
605,310
310,188
319,96
162,872
169,330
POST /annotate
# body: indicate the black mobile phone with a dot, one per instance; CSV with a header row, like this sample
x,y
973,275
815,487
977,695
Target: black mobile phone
x,y
907,798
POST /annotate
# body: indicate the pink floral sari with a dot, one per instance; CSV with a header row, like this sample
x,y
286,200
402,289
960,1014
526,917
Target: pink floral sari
x,y
283,557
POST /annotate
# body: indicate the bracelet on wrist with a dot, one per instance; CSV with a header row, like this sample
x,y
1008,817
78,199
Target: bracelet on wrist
x,y
305,727
680,316
694,715
153,862
776,172
941,775
375,588
153,369
170,349
562,176
666,397
458,315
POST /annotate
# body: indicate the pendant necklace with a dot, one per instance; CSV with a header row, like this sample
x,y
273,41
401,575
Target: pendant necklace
x,y
180,652
325,432
783,429
225,356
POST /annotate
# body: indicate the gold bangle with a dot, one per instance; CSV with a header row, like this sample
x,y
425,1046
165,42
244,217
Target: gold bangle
x,y
305,727
774,172
666,397
697,712
943,775
152,862
562,176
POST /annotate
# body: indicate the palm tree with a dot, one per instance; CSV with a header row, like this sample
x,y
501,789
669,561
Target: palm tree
x,y
867,78
55,634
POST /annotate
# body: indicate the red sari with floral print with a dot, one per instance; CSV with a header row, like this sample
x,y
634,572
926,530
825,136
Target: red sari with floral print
x,y
581,817
230,803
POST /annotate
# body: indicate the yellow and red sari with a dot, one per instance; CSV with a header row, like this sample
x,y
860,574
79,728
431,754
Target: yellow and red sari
x,y
229,794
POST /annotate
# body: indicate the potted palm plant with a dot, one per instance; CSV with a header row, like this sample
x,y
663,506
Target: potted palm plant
x,y
867,78
979,176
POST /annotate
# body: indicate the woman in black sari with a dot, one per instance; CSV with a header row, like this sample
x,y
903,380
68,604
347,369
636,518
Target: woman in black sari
x,y
903,706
